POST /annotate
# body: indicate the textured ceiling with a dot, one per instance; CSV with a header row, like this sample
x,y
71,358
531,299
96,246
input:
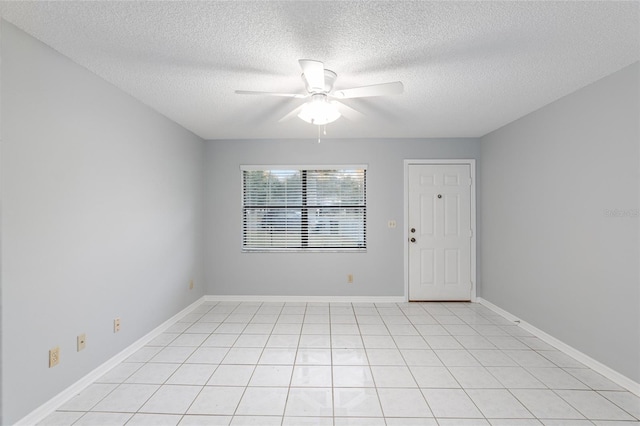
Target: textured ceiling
x,y
468,67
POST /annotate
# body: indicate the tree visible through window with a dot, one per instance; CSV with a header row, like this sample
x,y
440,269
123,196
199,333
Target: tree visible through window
x,y
298,208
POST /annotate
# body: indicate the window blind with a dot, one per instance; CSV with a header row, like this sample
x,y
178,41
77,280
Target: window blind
x,y
304,208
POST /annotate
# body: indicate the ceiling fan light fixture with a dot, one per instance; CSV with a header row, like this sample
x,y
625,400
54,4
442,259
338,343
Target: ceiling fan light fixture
x,y
319,111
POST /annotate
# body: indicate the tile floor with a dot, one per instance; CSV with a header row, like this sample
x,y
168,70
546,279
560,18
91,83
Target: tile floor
x,y
229,363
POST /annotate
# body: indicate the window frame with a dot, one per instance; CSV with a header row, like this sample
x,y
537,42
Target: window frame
x,y
303,168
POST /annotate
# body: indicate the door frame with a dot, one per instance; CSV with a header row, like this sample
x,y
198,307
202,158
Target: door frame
x,y
472,165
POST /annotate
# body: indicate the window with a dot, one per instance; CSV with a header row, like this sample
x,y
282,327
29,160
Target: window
x,y
311,208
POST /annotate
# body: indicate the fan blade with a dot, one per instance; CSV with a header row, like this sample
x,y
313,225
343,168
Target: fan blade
x,y
383,89
313,73
348,112
292,114
286,95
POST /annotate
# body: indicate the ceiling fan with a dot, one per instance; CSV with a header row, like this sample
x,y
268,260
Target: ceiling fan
x,y
323,106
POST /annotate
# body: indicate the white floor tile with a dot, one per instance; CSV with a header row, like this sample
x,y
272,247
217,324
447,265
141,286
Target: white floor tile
x,y
411,421
217,400
356,402
251,341
242,356
215,355
263,402
286,328
378,342
231,375
237,363
313,328
411,342
346,342
126,398
593,406
283,356
451,403
192,374
457,358
421,357
474,377
359,421
258,328
592,379
120,373
385,357
393,377
625,400
349,357
189,339
203,420
557,378
283,341
463,422
153,373
313,357
515,377
110,419
173,354
493,358
171,399
89,397
374,330
498,404
514,422
352,376
311,376
403,403
309,402
256,420
144,354
433,377
314,341
271,375
61,418
163,339
529,358
221,340
545,404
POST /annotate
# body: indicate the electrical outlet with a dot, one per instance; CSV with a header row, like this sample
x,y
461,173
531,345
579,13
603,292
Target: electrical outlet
x,y
116,325
350,279
54,356
191,285
82,341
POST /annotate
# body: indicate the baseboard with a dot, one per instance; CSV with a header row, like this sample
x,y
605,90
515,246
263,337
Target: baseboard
x,y
597,366
40,413
305,299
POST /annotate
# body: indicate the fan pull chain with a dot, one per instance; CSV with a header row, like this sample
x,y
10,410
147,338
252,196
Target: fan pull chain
x,y
318,134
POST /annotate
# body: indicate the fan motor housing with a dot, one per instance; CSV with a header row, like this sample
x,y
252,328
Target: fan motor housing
x,y
329,78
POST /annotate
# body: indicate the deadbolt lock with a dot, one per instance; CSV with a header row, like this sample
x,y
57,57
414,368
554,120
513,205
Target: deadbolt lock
x,y
413,230
439,195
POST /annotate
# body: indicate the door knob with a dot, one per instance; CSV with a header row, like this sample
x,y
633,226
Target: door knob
x,y
413,240
439,195
413,230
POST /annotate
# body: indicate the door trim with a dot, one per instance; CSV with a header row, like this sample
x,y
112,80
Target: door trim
x,y
472,165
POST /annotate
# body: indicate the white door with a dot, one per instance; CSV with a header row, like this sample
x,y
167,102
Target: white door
x,y
440,232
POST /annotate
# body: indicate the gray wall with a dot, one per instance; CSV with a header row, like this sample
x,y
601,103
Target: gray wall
x,y
101,218
378,272
550,253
